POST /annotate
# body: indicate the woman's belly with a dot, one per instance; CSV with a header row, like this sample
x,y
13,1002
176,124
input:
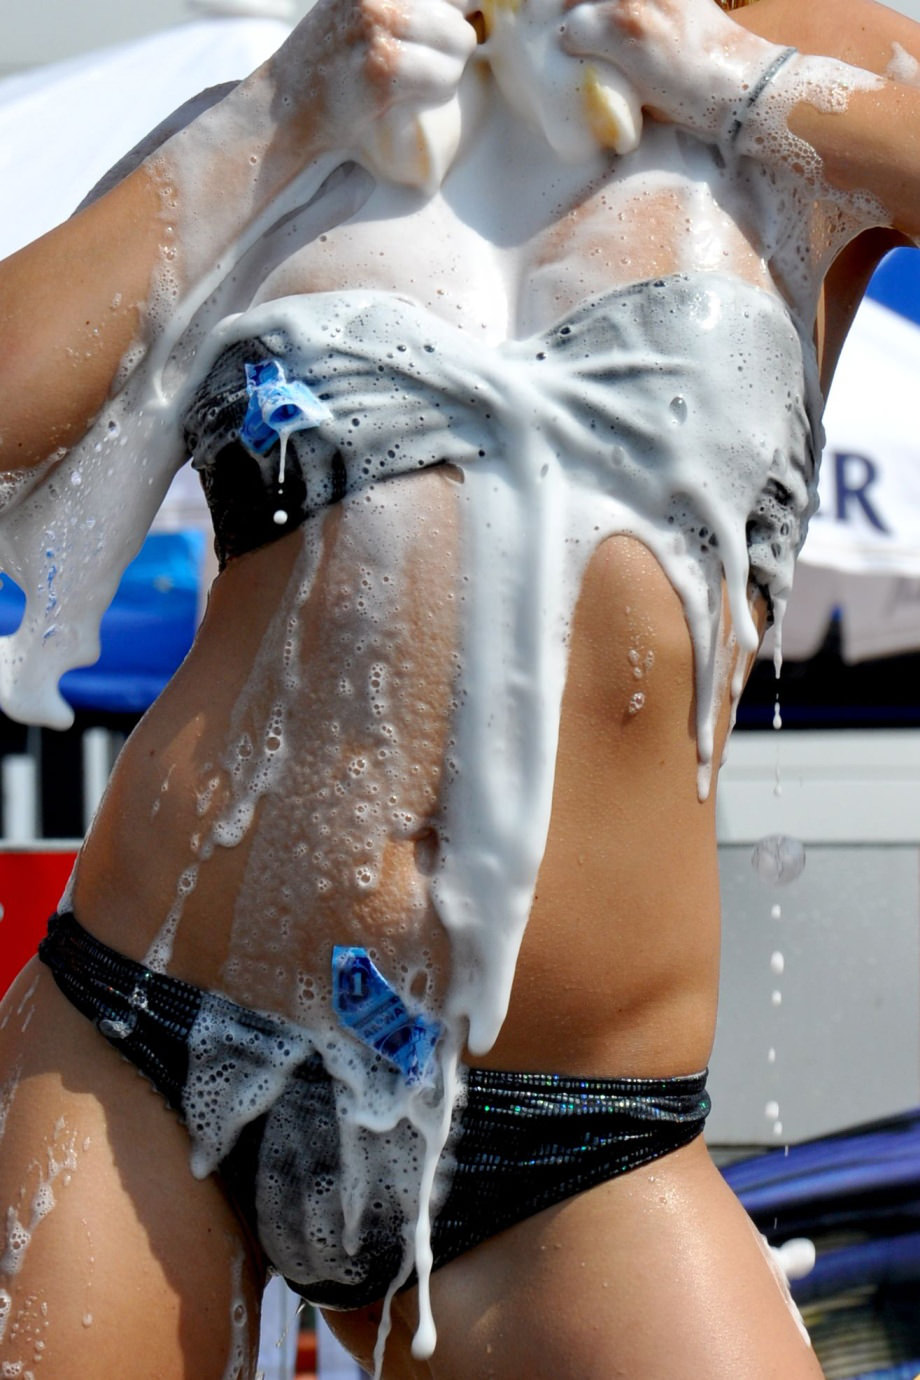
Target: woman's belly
x,y
285,794
279,797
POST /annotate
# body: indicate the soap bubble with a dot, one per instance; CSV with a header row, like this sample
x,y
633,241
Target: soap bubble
x,y
778,859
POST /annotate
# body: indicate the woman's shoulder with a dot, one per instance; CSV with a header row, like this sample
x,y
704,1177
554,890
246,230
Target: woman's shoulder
x,y
860,32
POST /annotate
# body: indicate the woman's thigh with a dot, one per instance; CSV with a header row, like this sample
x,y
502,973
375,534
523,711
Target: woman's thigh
x,y
658,1275
113,1259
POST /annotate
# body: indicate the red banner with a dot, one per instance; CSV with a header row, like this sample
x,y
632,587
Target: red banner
x,y
31,883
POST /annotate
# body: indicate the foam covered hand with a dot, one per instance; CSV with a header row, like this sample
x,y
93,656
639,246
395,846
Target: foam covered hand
x,y
689,62
369,75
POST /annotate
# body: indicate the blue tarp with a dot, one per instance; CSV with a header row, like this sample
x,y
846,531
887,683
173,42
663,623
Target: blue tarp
x,y
896,283
146,632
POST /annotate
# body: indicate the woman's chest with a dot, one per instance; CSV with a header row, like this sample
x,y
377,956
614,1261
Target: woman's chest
x,y
516,239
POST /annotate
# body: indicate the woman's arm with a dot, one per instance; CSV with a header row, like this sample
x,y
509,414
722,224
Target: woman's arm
x,y
81,305
696,67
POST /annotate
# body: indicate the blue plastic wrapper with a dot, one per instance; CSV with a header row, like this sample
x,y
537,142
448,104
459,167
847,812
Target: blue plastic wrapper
x,y
367,1005
277,405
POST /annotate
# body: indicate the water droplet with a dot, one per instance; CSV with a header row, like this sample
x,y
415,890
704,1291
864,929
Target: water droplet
x,y
778,859
636,702
777,963
776,997
679,409
771,1055
279,517
771,1111
776,912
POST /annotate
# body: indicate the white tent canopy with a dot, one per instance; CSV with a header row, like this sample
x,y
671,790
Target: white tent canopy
x,y
63,125
862,554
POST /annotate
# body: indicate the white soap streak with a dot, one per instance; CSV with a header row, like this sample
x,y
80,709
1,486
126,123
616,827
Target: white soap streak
x,y
27,997
240,1343
24,1324
903,66
253,761
780,1278
7,1096
436,1134
159,954
61,1157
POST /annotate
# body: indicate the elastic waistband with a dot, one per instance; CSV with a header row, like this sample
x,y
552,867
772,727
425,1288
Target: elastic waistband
x,y
680,1098
149,1017
146,1015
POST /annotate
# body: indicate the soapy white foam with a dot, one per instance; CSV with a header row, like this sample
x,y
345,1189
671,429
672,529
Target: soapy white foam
x,y
903,66
160,951
777,1270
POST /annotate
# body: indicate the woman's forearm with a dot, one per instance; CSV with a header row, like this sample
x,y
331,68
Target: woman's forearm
x,y
97,290
870,147
81,306
726,82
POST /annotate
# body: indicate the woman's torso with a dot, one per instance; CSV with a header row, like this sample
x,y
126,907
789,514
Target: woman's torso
x,y
323,685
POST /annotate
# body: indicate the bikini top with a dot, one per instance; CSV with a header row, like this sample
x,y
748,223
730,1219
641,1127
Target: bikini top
x,y
693,399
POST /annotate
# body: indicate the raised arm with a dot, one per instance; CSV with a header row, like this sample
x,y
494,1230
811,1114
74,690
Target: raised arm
x,y
79,307
854,105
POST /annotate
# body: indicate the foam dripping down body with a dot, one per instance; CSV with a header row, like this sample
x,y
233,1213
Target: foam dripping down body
x,y
378,759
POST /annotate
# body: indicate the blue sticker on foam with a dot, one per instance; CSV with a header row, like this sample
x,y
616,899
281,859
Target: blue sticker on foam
x,y
368,1006
276,405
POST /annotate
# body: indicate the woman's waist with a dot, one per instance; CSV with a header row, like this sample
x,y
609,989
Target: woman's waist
x,y
608,995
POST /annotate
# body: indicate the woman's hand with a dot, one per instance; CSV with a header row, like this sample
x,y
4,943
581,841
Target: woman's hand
x,y
349,62
688,61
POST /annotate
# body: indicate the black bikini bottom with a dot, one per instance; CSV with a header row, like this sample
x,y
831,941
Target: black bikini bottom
x,y
521,1141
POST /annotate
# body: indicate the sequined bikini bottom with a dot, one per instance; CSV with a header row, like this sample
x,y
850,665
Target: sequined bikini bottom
x,y
521,1141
